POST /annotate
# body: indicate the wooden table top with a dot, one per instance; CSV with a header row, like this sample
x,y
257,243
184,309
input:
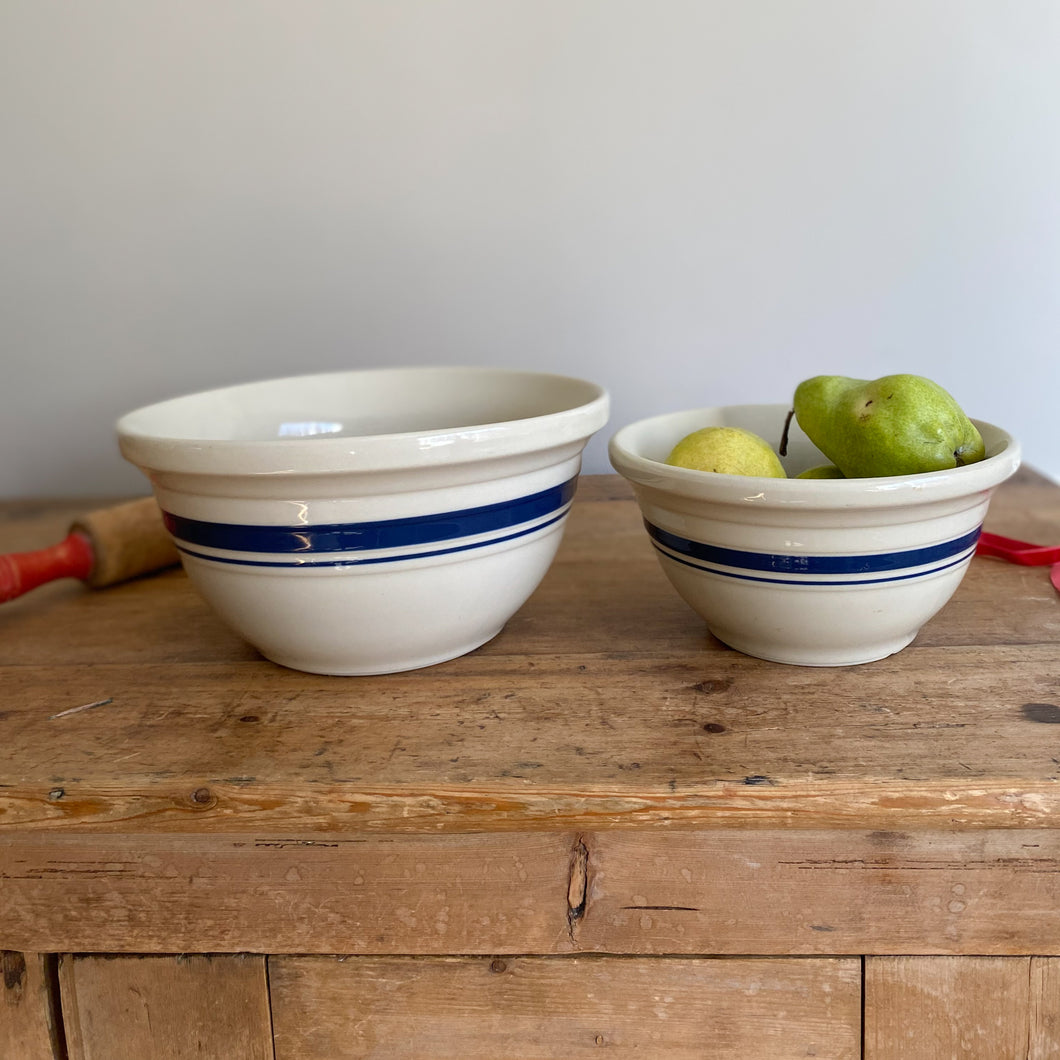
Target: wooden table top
x,y
603,777
603,704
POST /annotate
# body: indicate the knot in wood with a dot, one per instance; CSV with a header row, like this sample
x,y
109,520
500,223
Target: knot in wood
x,y
13,965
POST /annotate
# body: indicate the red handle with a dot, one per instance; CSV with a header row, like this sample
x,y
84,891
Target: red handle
x,y
1017,551
22,571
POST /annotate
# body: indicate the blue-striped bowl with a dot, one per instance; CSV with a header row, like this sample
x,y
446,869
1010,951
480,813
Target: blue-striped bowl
x,y
371,521
817,572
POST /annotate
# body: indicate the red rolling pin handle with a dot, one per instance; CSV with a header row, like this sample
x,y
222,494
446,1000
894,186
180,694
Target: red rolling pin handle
x,y
102,548
22,571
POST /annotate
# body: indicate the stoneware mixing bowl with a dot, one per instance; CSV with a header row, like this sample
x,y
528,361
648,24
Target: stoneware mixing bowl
x,y
819,572
368,522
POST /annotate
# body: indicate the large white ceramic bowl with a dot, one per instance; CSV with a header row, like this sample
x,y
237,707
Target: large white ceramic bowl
x,y
818,572
373,521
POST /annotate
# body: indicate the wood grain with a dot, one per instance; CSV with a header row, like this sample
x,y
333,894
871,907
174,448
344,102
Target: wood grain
x,y
369,894
938,1008
467,1009
1044,1035
937,739
29,1028
166,1008
790,891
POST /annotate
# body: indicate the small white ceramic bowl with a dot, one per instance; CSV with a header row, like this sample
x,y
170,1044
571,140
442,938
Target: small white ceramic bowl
x,y
817,572
372,521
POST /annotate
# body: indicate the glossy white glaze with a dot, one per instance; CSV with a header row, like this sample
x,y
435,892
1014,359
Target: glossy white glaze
x,y
344,553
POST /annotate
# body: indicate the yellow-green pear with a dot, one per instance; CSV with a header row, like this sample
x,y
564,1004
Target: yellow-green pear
x,y
727,451
896,425
821,471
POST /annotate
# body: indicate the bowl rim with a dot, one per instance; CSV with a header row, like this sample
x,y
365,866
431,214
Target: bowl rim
x,y
156,450
984,475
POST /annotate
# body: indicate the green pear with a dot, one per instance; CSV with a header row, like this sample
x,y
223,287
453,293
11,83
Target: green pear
x,y
895,425
727,451
821,471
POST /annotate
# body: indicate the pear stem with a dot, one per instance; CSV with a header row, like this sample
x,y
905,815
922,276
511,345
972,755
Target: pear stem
x,y
783,450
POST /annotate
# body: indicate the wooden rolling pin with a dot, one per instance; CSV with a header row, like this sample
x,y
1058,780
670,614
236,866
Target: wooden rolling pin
x,y
102,548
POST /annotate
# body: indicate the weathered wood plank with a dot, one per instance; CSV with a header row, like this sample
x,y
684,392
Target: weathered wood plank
x,y
791,892
937,1008
29,1029
1045,1008
567,741
166,1008
467,1009
201,894
660,891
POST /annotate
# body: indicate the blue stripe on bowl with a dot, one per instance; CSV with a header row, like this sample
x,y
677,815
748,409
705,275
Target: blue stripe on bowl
x,y
311,542
808,569
358,560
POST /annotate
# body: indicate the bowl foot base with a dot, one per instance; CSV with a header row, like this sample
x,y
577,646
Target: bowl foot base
x,y
351,668
796,656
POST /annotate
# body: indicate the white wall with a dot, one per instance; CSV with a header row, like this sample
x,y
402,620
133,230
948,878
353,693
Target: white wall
x,y
691,201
